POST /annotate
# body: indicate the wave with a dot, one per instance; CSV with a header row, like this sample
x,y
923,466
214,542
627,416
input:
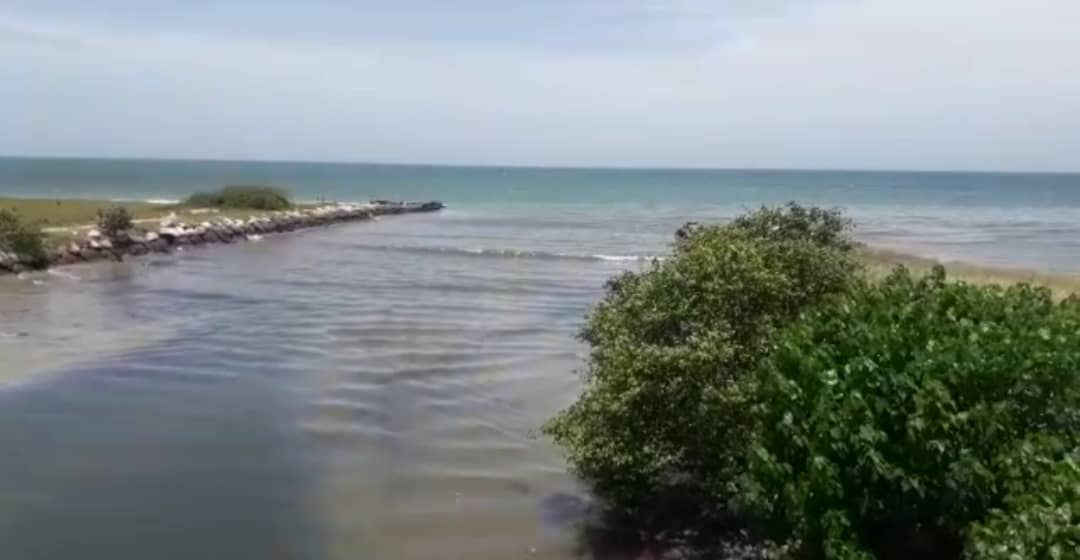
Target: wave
x,y
62,274
506,253
159,201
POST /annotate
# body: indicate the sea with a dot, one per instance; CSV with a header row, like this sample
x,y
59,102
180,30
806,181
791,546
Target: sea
x,y
376,389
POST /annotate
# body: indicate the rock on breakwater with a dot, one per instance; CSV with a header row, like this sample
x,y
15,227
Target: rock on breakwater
x,y
172,233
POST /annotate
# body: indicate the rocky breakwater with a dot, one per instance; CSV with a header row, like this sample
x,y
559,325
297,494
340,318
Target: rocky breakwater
x,y
172,233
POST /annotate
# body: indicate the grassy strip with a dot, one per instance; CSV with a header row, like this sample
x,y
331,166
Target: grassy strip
x,y
51,213
66,212
62,218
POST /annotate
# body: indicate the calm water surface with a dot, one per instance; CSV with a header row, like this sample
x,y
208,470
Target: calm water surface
x,y
373,390
326,394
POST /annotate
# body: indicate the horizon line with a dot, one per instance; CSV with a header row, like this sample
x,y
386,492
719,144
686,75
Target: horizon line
x,y
536,167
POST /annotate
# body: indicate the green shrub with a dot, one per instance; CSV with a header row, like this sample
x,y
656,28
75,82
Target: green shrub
x,y
23,240
673,347
894,420
242,197
113,220
1041,518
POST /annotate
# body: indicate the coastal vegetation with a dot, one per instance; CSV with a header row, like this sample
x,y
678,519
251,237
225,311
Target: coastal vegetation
x,y
910,409
21,241
674,349
116,234
66,212
56,223
250,197
55,213
879,263
113,220
765,372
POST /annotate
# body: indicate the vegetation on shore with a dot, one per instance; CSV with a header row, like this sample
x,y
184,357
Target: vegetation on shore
x,y
58,221
67,212
242,197
766,371
113,220
881,262
54,213
21,240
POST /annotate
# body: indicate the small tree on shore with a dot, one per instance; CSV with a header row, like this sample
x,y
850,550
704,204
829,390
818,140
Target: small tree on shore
x,y
113,220
24,241
756,372
668,379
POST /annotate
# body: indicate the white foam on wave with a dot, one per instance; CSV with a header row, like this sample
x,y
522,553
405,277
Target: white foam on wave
x,y
623,257
511,253
161,201
64,275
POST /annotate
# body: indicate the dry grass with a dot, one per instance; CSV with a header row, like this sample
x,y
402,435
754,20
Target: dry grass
x,y
880,261
63,212
51,213
61,219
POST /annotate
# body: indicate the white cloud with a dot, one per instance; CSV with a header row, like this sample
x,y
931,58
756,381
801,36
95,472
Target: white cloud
x,y
875,83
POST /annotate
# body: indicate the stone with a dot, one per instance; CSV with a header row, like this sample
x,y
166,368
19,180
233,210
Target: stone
x,y
68,258
121,239
174,234
138,249
171,231
103,243
7,260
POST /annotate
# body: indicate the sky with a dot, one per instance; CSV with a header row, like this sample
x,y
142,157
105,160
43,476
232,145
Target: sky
x,y
854,84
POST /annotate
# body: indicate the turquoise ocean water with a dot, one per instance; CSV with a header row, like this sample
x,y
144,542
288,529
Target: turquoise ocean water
x,y
375,389
1027,220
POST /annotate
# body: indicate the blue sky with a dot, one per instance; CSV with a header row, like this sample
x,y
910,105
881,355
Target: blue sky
x,y
898,84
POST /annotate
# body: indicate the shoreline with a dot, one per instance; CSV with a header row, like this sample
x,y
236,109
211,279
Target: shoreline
x,y
162,226
172,233
880,261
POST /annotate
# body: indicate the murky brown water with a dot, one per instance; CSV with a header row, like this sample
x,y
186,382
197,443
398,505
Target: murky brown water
x,y
319,395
